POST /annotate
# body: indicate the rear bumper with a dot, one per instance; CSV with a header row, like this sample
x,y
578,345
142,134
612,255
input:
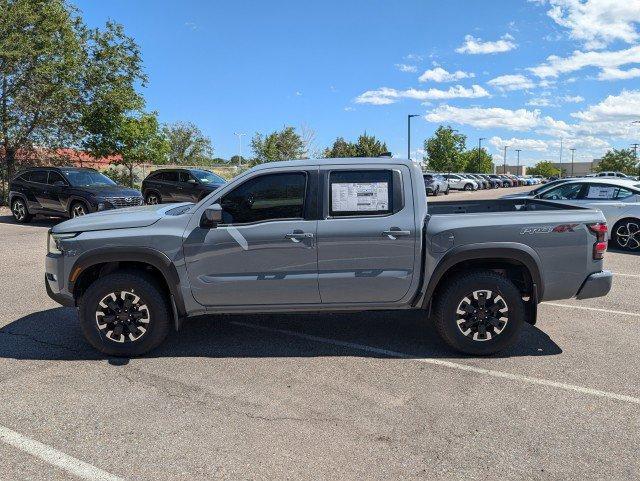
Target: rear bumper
x,y
597,284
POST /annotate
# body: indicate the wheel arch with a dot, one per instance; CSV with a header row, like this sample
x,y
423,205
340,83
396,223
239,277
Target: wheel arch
x,y
518,263
98,262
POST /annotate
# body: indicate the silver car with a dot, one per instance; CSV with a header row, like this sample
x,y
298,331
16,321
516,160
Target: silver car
x,y
618,199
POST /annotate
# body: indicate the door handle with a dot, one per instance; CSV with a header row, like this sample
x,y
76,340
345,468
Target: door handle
x,y
396,232
297,236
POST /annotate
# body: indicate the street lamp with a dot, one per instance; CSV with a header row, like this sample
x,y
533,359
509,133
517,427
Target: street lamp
x,y
518,162
239,135
409,117
573,151
635,148
504,166
479,147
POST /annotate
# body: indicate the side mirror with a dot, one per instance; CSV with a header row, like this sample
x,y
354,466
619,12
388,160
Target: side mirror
x,y
211,217
192,181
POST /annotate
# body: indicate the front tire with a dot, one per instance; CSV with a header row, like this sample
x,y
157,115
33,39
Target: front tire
x,y
626,235
20,213
78,209
124,314
479,313
468,187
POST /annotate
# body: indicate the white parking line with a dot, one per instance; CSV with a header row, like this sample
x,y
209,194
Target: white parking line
x,y
597,309
626,275
54,457
448,364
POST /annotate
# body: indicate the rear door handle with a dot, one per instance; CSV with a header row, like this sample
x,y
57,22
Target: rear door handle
x,y
297,236
396,232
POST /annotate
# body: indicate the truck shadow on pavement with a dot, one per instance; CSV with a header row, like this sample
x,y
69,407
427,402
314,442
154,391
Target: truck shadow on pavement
x,y
37,221
54,334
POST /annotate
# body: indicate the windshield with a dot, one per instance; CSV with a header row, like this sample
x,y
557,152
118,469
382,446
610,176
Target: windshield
x,y
86,178
207,177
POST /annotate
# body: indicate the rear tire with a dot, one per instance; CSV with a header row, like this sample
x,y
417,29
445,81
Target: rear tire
x,y
625,235
116,323
446,192
468,187
479,313
20,213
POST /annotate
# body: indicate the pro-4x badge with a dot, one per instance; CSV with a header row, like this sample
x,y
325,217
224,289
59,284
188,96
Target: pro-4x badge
x,y
548,229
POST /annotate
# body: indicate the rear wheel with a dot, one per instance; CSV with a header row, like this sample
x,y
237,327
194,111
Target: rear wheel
x,y
479,313
124,314
468,187
626,234
20,212
446,192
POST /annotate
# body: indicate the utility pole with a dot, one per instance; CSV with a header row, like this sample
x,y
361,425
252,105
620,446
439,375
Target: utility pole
x,y
239,135
504,166
561,158
518,164
409,117
480,147
635,154
573,151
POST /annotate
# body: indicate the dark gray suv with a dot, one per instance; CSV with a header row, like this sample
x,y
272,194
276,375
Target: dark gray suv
x,y
179,185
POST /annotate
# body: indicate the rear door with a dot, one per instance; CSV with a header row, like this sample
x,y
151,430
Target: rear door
x,y
367,234
189,191
55,197
264,252
38,190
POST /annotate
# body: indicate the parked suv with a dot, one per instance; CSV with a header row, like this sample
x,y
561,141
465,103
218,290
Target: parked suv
x,y
179,185
458,182
435,183
66,192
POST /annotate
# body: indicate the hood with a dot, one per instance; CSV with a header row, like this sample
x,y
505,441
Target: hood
x,y
126,218
111,191
517,196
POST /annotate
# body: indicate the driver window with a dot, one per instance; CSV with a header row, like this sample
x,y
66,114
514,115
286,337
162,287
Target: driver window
x,y
264,198
563,192
184,176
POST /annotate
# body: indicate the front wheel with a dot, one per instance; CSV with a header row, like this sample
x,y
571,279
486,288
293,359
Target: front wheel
x,y
626,235
446,192
479,313
468,187
124,314
78,209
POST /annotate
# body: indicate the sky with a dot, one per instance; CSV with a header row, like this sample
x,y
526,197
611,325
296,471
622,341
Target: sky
x,y
527,74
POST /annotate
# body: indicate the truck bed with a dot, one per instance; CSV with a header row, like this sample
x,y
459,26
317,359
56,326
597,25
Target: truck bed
x,y
495,205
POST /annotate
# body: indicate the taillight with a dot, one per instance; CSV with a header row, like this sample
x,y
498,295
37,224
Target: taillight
x,y
600,247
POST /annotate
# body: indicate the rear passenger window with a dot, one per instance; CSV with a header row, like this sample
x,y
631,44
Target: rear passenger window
x,y
264,198
39,176
170,176
360,192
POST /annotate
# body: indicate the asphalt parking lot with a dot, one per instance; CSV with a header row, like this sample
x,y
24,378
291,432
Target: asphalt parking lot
x,y
341,396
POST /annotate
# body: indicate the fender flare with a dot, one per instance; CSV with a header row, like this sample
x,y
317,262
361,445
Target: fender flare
x,y
507,251
145,255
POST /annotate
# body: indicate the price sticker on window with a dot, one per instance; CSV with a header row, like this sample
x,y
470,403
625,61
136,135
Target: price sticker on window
x,y
360,197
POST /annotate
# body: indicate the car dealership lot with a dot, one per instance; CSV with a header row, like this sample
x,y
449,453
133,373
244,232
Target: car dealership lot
x,y
373,395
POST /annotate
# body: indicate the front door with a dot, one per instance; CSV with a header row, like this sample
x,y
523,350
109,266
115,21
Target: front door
x,y
367,238
264,252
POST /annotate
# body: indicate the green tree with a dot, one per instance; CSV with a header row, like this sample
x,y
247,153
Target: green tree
x,y
619,160
543,168
444,150
237,160
42,59
478,164
187,144
283,145
366,146
369,146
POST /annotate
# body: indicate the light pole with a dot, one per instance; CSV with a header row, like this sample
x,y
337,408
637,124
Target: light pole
x,y
479,147
561,158
518,162
504,166
573,151
239,135
635,149
409,117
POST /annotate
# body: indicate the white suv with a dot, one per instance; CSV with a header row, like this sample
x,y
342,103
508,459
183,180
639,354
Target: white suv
x,y
612,174
458,182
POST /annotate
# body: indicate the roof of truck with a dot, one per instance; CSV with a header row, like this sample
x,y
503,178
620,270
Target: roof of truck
x,y
340,161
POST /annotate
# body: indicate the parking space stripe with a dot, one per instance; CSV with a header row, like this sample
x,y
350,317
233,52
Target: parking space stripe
x,y
596,309
54,457
626,275
448,364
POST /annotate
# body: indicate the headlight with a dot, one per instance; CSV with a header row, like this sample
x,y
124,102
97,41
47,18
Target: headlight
x,y
54,242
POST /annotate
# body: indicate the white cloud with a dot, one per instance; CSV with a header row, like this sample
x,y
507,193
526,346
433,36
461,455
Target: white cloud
x,y
554,66
618,74
615,108
524,144
597,23
512,82
474,46
486,118
572,99
403,67
542,101
385,95
439,74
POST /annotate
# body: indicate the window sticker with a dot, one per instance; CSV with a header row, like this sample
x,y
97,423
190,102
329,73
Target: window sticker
x,y
600,192
356,197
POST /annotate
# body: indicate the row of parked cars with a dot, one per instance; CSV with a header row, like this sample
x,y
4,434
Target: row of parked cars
x,y
437,183
73,191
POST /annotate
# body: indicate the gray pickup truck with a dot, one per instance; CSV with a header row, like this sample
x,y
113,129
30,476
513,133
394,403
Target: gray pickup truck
x,y
325,235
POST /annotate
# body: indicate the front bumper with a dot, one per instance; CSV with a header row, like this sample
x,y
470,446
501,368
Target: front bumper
x,y
597,284
54,280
